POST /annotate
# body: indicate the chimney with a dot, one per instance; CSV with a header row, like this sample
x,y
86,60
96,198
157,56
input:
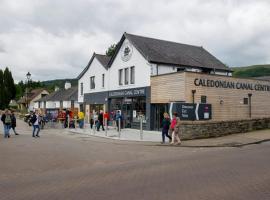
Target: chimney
x,y
67,85
56,88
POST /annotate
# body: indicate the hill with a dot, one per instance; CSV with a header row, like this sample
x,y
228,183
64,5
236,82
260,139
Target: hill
x,y
255,71
50,84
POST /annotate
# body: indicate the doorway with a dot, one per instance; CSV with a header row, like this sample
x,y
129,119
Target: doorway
x,y
159,110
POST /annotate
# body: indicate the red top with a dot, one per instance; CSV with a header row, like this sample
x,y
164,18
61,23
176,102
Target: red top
x,y
173,123
106,116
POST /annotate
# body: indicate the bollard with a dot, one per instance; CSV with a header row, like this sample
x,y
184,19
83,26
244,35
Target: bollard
x,y
94,127
68,121
106,127
141,128
75,125
119,127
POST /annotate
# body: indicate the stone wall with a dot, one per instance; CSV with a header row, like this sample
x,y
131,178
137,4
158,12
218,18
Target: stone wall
x,y
203,129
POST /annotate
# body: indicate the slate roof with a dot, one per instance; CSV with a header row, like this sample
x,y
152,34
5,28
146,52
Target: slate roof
x,y
172,53
31,95
70,94
103,59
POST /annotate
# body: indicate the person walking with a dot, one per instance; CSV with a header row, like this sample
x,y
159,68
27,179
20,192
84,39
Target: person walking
x,y
100,120
81,119
13,122
6,119
176,132
35,121
118,120
165,127
173,123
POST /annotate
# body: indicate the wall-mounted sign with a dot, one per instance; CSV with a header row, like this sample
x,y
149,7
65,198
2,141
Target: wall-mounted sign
x,y
126,51
128,92
230,85
190,111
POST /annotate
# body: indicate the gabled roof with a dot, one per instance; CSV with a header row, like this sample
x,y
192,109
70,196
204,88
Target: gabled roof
x,y
31,95
171,53
103,59
70,94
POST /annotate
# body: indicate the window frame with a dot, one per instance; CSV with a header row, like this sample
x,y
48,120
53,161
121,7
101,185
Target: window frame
x,y
92,82
126,71
103,81
120,77
132,75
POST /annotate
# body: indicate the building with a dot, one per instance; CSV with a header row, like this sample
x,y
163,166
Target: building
x,y
30,98
60,99
93,85
124,81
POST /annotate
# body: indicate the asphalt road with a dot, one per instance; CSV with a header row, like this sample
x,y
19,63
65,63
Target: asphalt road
x,y
61,165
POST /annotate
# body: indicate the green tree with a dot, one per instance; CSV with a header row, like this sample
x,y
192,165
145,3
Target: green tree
x,y
2,90
111,50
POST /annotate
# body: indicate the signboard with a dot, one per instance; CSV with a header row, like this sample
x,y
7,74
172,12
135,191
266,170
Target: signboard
x,y
190,111
128,92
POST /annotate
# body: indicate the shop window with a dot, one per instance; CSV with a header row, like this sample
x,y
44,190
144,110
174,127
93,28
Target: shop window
x,y
139,109
103,80
245,101
81,89
126,76
203,99
120,76
132,75
92,82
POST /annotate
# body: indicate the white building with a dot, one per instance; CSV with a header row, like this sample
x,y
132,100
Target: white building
x,y
128,74
60,99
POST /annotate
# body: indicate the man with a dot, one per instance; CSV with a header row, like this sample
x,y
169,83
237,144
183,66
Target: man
x,y
118,119
35,121
6,119
100,120
13,122
81,119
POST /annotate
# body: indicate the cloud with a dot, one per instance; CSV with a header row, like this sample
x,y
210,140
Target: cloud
x,y
55,39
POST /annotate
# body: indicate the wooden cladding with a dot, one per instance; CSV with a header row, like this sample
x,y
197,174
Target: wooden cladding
x,y
227,102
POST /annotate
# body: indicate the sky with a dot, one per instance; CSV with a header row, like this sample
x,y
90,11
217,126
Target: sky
x,y
55,39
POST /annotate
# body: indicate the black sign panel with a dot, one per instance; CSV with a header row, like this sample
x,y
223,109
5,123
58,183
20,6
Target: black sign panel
x,y
189,111
128,93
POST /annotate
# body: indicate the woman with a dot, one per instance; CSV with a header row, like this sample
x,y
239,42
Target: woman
x,y
13,122
165,127
176,132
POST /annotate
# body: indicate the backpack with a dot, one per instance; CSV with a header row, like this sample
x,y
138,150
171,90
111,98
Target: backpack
x,y
8,119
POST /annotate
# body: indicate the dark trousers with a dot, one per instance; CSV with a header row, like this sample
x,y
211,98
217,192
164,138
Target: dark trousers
x,y
100,125
165,133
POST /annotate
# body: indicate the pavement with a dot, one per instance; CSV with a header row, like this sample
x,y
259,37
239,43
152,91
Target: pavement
x,y
234,140
67,165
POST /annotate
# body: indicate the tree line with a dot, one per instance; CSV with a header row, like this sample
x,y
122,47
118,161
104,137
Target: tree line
x,y
7,88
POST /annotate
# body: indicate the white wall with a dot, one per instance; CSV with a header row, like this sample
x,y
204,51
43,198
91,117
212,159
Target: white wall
x,y
96,69
142,70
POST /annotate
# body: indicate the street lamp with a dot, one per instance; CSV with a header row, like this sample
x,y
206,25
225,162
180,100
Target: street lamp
x,y
28,76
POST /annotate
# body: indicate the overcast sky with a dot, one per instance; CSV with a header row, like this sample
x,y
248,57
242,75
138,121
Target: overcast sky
x,y
56,38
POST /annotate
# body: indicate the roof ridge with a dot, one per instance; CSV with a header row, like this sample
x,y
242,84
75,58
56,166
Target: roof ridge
x,y
162,40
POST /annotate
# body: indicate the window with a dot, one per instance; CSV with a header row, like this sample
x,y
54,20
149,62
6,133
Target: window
x,y
103,80
245,101
132,75
126,76
92,82
203,99
81,89
120,76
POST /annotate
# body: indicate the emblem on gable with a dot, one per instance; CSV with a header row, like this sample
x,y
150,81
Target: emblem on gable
x,y
126,51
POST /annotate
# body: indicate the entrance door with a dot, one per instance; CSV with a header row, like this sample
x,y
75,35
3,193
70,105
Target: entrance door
x,y
127,109
160,109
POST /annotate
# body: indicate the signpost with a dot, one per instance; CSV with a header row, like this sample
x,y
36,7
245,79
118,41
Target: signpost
x,y
191,112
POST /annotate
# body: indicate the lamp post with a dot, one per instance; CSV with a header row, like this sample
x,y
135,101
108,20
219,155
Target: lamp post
x,y
28,76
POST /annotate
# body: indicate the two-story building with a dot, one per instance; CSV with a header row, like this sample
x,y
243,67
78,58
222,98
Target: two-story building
x,y
123,82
